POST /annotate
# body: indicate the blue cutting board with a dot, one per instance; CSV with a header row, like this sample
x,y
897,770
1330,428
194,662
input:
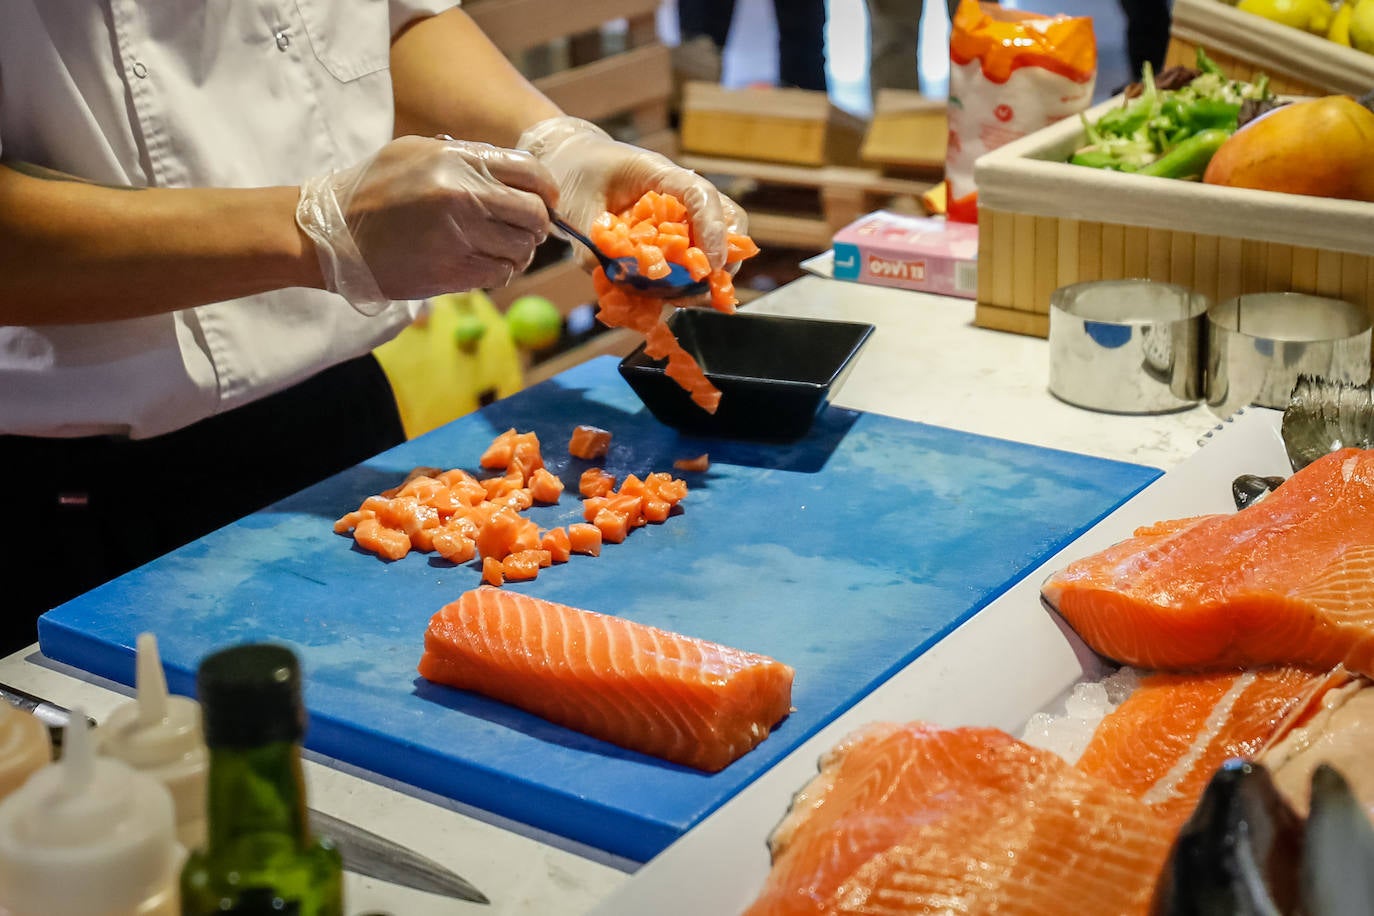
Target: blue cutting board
x,y
846,555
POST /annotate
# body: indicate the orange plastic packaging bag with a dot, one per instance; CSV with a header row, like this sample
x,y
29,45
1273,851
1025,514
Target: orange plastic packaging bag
x,y
1010,74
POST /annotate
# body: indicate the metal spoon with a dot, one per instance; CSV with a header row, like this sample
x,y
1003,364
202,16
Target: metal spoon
x,y
625,271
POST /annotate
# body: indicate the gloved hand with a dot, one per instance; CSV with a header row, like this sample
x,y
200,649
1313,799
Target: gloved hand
x,y
596,173
425,217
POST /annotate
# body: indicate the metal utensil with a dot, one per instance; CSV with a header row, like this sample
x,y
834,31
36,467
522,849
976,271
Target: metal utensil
x,y
1259,343
364,852
50,714
678,284
1126,346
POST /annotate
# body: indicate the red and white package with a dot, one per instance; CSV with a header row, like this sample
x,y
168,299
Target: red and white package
x,y
1010,74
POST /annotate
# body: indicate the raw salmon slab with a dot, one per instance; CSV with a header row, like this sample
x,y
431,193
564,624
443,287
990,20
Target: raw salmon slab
x,y
907,819
693,702
1286,581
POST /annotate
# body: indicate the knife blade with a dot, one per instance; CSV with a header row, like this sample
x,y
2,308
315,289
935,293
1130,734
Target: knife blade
x,y
50,714
364,852
372,856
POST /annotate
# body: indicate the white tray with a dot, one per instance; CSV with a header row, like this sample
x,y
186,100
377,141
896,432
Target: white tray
x,y
1005,664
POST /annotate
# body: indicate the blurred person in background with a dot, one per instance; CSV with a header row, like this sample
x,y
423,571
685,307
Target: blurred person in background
x,y
894,42
704,28
1147,33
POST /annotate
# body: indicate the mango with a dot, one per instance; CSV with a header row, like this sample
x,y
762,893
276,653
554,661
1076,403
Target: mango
x,y
1321,147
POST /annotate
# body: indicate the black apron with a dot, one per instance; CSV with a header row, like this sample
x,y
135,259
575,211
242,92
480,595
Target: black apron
x,y
83,511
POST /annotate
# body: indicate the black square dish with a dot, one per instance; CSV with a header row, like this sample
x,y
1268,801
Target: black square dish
x,y
774,373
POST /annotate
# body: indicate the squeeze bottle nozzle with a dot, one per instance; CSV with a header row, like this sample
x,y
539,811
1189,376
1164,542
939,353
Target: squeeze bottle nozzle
x,y
88,836
161,735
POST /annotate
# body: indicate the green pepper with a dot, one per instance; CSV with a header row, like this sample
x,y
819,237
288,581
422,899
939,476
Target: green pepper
x,y
1189,159
1206,64
1125,121
1096,159
1205,114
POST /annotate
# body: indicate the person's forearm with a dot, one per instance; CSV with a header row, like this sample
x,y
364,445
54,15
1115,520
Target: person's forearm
x,y
72,252
449,78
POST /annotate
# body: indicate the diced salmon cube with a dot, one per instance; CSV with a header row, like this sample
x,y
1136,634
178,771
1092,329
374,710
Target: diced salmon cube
x,y
585,539
589,443
613,526
520,566
491,571
595,482
454,546
556,542
544,487
386,542
498,453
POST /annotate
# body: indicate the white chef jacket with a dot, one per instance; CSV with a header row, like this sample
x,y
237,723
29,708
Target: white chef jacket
x,y
188,93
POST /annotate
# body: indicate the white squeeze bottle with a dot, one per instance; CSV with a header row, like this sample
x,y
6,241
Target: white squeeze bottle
x,y
161,735
24,747
88,836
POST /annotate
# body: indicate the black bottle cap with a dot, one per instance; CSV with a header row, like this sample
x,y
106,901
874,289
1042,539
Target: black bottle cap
x,y
251,695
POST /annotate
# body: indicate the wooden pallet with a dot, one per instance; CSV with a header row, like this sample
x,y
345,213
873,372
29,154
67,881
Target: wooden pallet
x,y
791,126
844,194
907,136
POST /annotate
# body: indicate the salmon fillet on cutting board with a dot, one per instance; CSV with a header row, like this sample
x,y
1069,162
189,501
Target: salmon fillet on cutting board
x,y
686,700
1286,581
906,819
1166,740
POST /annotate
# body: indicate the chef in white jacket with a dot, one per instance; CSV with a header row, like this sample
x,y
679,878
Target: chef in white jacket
x,y
206,226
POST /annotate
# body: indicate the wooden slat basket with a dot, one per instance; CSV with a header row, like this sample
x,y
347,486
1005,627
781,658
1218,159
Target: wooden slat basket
x,y
1245,45
1044,223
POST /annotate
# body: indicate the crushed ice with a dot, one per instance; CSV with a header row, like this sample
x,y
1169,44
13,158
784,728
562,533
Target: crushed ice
x,y
1067,733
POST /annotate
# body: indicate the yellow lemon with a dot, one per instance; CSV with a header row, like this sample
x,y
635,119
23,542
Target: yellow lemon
x,y
1340,25
1309,15
1362,26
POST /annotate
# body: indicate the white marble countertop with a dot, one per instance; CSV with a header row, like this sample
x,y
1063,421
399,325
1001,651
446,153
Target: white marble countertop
x,y
927,362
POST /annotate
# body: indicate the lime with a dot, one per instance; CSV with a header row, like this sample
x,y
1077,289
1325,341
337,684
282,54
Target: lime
x,y
468,331
534,322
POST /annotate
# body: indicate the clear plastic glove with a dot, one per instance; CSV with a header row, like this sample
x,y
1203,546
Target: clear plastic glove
x,y
596,173
425,217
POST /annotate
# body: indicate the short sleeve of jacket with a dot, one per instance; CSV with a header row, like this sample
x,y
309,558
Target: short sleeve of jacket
x,y
404,11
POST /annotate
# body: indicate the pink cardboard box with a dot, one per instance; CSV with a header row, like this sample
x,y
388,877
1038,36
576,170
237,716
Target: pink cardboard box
x,y
927,254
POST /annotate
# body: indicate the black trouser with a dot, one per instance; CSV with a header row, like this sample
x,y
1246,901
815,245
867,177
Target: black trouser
x,y
90,509
1147,33
801,35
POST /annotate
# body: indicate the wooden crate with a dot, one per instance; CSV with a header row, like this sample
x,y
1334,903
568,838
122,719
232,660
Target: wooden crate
x,y
843,195
793,126
908,134
1244,45
1044,223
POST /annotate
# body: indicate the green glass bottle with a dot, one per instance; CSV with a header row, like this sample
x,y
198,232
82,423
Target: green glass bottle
x,y
259,857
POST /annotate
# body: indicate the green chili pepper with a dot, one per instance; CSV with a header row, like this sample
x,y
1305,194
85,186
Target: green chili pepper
x,y
1189,159
1205,114
1096,159
1206,64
